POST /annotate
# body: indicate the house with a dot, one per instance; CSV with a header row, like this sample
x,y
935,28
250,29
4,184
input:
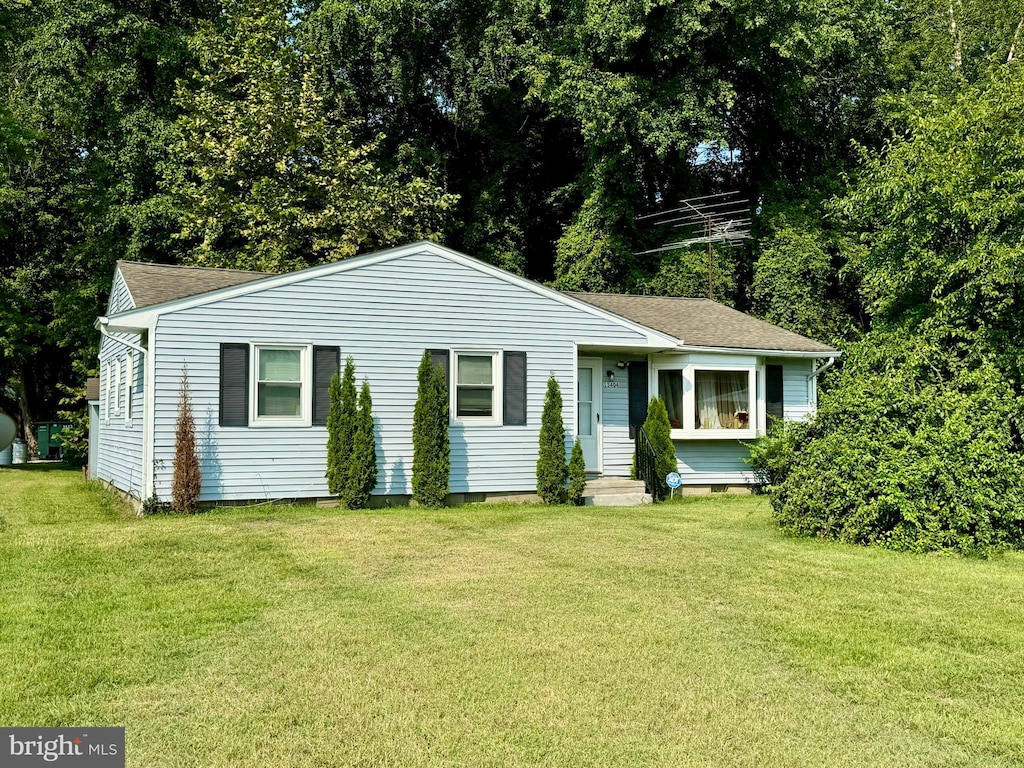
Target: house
x,y
259,351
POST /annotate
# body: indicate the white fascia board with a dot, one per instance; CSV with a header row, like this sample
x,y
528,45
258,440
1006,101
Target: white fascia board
x,y
759,352
146,317
104,325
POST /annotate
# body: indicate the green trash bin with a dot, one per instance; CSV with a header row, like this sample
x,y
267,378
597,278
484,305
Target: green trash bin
x,y
43,438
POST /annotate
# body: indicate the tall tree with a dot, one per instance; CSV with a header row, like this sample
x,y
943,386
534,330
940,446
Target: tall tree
x,y
84,109
269,176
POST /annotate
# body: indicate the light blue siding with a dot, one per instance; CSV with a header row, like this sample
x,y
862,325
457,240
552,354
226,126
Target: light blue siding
x,y
384,315
120,299
721,462
713,462
616,446
796,389
119,442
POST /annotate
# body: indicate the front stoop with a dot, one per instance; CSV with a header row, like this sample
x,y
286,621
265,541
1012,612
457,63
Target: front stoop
x,y
615,492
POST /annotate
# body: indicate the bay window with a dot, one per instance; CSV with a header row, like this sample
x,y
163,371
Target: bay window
x,y
722,400
709,401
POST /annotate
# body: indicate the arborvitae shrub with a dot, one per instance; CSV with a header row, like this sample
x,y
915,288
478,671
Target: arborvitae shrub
x,y
659,432
577,474
430,448
187,482
362,472
552,472
341,426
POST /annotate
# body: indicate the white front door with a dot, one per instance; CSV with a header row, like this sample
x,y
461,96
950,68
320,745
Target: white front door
x,y
588,411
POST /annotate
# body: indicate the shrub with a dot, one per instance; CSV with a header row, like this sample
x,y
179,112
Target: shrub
x,y
341,426
659,432
430,448
552,472
577,475
907,454
187,479
362,473
772,455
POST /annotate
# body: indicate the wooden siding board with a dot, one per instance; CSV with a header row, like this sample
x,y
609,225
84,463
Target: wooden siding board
x,y
384,315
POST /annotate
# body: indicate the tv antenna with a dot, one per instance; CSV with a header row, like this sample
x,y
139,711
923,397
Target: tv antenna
x,y
720,218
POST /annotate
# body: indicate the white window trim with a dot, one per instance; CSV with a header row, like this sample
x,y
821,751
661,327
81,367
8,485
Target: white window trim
x,y
105,401
689,371
305,418
497,418
129,375
117,387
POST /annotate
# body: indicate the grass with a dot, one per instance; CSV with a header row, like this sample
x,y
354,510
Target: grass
x,y
688,634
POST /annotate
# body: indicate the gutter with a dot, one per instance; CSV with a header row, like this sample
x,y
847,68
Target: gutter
x,y
822,368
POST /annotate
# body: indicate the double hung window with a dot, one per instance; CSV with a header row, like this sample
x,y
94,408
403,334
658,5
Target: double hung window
x,y
281,380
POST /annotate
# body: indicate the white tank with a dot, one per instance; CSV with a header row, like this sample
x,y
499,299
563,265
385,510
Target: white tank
x,y
20,453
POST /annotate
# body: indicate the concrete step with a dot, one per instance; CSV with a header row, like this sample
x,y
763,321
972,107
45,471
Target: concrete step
x,y
614,485
616,499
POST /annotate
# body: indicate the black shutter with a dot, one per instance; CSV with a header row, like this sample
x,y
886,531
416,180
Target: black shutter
x,y
234,385
440,357
637,396
326,363
514,379
773,390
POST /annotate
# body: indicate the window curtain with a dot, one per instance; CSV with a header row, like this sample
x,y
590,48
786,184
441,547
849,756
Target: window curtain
x,y
670,387
723,400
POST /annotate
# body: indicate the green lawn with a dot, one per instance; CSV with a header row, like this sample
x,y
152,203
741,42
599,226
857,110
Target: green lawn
x,y
685,634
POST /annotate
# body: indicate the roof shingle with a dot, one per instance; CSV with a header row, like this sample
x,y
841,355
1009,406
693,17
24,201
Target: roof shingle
x,y
703,323
697,322
152,284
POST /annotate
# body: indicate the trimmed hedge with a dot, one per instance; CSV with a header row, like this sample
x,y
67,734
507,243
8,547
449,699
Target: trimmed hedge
x,y
552,472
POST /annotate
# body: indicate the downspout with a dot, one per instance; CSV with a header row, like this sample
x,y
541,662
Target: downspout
x,y
822,368
147,405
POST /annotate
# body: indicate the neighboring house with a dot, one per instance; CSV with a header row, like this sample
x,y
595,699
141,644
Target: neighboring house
x,y
260,351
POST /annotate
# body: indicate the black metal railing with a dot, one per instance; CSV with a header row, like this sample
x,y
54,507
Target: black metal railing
x,y
644,459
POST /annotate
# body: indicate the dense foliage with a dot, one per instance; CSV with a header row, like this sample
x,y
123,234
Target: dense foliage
x,y
268,175
919,441
341,427
878,144
577,474
552,471
362,470
431,462
659,432
187,479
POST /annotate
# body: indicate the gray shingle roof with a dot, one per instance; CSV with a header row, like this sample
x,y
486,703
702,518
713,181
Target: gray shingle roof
x,y
156,283
703,323
698,322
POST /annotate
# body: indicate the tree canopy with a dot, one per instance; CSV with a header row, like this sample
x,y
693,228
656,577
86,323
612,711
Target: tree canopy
x,y
878,146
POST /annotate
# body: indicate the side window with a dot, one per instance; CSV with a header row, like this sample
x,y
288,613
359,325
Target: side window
x,y
129,386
